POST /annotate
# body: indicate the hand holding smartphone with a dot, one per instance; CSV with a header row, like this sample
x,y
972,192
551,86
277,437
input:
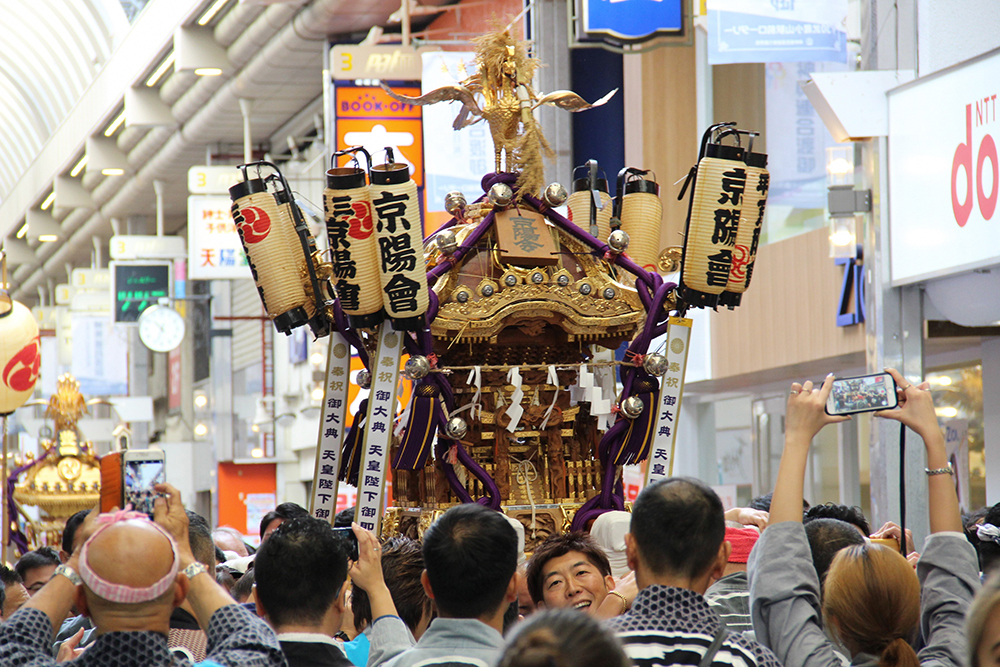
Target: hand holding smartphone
x,y
143,469
866,393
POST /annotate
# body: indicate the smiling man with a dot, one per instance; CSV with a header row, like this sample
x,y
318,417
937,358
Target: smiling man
x,y
570,571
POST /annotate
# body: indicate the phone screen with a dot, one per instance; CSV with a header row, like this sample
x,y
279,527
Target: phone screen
x,y
140,477
862,394
350,539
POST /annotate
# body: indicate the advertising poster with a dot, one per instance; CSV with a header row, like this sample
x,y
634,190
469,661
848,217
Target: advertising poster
x,y
776,31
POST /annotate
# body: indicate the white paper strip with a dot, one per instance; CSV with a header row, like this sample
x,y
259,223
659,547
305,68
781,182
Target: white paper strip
x,y
323,503
378,434
515,410
668,406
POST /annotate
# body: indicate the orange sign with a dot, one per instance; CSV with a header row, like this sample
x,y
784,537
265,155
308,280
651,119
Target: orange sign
x,y
366,116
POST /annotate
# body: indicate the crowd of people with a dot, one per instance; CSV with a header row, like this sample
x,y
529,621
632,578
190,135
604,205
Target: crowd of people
x,y
678,581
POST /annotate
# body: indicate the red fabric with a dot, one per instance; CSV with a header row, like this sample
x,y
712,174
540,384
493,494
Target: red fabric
x,y
742,540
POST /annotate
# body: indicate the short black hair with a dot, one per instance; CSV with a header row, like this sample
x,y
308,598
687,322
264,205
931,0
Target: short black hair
x,y
763,503
827,537
344,518
243,587
220,555
987,549
69,532
8,577
200,540
556,546
470,554
40,557
852,515
402,564
283,511
300,570
678,525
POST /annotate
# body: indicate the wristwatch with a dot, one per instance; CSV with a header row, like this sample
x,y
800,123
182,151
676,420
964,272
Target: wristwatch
x,y
69,573
194,569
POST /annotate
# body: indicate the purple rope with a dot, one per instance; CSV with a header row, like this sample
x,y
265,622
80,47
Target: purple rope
x,y
16,536
345,330
470,243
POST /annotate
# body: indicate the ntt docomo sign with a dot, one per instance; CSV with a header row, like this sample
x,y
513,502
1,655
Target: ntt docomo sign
x,y
943,172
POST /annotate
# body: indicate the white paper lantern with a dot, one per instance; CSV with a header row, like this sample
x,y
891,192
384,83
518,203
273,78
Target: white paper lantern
x,y
20,357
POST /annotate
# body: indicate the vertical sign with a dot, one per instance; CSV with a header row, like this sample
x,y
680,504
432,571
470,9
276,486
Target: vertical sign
x,y
669,403
332,424
174,379
381,412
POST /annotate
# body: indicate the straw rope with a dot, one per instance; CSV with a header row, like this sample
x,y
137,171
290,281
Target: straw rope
x,y
363,252
275,268
579,213
642,215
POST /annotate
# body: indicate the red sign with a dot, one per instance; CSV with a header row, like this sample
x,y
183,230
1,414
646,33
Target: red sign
x,y
174,379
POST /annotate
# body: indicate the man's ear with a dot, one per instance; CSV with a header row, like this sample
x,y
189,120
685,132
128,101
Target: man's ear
x,y
341,600
261,611
631,552
181,587
425,581
80,599
512,586
609,582
719,568
63,556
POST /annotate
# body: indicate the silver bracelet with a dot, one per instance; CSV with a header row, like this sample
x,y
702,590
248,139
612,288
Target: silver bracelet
x,y
939,471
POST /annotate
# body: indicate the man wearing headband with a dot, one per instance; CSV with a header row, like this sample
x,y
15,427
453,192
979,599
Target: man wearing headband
x,y
128,576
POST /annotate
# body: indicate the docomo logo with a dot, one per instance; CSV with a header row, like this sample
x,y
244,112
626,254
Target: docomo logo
x,y
985,108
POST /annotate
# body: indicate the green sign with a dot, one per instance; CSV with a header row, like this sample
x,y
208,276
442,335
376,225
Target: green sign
x,y
137,287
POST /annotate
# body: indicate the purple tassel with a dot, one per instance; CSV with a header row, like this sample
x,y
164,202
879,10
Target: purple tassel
x,y
638,439
350,458
420,430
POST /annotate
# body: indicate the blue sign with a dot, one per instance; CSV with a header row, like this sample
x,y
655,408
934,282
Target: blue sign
x,y
632,20
773,31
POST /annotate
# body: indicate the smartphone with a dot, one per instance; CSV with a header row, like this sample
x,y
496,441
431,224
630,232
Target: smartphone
x,y
866,393
143,469
350,539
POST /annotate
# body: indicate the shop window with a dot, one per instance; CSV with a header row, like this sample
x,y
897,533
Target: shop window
x,y
958,400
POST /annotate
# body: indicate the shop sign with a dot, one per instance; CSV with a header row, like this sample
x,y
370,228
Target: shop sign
x,y
214,248
772,31
390,62
90,279
630,21
367,116
943,172
146,247
212,180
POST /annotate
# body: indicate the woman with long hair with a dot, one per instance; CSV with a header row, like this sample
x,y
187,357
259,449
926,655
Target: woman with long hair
x,y
872,601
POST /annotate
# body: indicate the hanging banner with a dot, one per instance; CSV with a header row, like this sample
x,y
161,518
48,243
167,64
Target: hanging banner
x,y
772,31
214,248
323,503
661,456
378,438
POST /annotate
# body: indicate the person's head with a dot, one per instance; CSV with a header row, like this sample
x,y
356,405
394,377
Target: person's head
x,y
871,602
230,539
131,578
982,625
677,534
525,604
36,568
827,537
742,541
846,513
200,539
299,572
402,565
470,556
15,594
569,570
608,532
562,638
988,534
243,588
69,541
224,577
282,512
763,503
344,518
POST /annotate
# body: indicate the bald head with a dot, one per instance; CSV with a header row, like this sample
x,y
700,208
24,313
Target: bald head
x,y
132,553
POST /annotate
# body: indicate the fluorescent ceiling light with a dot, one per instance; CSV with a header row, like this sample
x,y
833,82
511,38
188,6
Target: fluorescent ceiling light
x,y
161,69
48,238
208,71
113,171
212,11
79,167
48,200
115,124
23,231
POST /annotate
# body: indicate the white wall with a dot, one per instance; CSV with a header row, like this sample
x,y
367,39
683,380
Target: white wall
x,y
950,31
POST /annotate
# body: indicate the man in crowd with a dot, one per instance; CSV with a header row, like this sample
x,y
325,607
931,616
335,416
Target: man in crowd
x,y
282,512
36,567
570,570
300,572
69,535
827,537
470,556
15,594
129,575
845,513
729,597
677,548
230,539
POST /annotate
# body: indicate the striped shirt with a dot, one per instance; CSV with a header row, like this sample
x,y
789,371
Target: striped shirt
x,y
675,626
729,597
